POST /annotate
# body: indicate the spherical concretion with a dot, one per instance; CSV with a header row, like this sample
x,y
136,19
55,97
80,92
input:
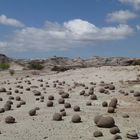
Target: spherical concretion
x,y
18,98
113,103
101,90
61,101
111,87
65,95
57,117
9,119
76,108
32,112
93,97
76,118
49,104
114,130
63,113
67,105
110,110
50,97
106,122
97,134
2,110
137,94
104,104
117,137
88,103
7,107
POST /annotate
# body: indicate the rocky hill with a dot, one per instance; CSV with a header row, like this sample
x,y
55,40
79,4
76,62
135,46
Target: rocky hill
x,y
4,59
64,63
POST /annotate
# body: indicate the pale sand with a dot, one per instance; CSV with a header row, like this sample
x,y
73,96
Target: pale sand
x,y
41,126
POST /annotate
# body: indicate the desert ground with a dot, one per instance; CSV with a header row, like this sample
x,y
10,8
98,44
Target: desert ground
x,y
41,125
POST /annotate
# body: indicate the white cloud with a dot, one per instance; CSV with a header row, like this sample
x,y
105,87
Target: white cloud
x,y
134,3
3,44
10,21
121,16
74,33
138,27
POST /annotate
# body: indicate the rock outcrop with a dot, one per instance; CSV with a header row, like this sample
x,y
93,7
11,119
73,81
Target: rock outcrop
x,y
4,59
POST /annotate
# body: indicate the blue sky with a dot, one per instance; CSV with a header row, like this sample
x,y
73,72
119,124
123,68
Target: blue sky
x,y
72,28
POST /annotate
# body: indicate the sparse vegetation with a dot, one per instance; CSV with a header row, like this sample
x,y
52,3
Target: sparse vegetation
x,y
35,66
4,66
133,62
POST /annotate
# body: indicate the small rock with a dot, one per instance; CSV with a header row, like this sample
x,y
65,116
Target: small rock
x,y
9,119
57,117
97,134
114,130
132,134
76,118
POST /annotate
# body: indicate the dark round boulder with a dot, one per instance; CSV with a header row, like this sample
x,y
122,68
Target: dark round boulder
x,y
32,112
137,94
93,97
36,93
61,101
49,104
114,130
110,110
76,108
82,92
50,97
22,102
117,137
97,118
113,103
18,105
9,119
125,115
105,122
57,117
65,95
76,118
7,107
67,105
63,113
88,103
2,110
101,90
138,99
104,104
18,98
97,134
111,87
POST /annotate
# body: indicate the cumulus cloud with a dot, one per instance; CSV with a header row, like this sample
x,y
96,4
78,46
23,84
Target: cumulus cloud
x,y
73,33
134,3
138,27
10,21
3,44
121,16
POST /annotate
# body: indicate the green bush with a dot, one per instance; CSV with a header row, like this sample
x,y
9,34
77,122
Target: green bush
x,y
35,66
4,66
137,62
133,62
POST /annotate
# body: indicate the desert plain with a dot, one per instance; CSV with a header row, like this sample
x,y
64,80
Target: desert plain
x,y
125,80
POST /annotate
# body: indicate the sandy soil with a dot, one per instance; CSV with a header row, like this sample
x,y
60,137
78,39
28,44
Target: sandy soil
x,y
42,126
